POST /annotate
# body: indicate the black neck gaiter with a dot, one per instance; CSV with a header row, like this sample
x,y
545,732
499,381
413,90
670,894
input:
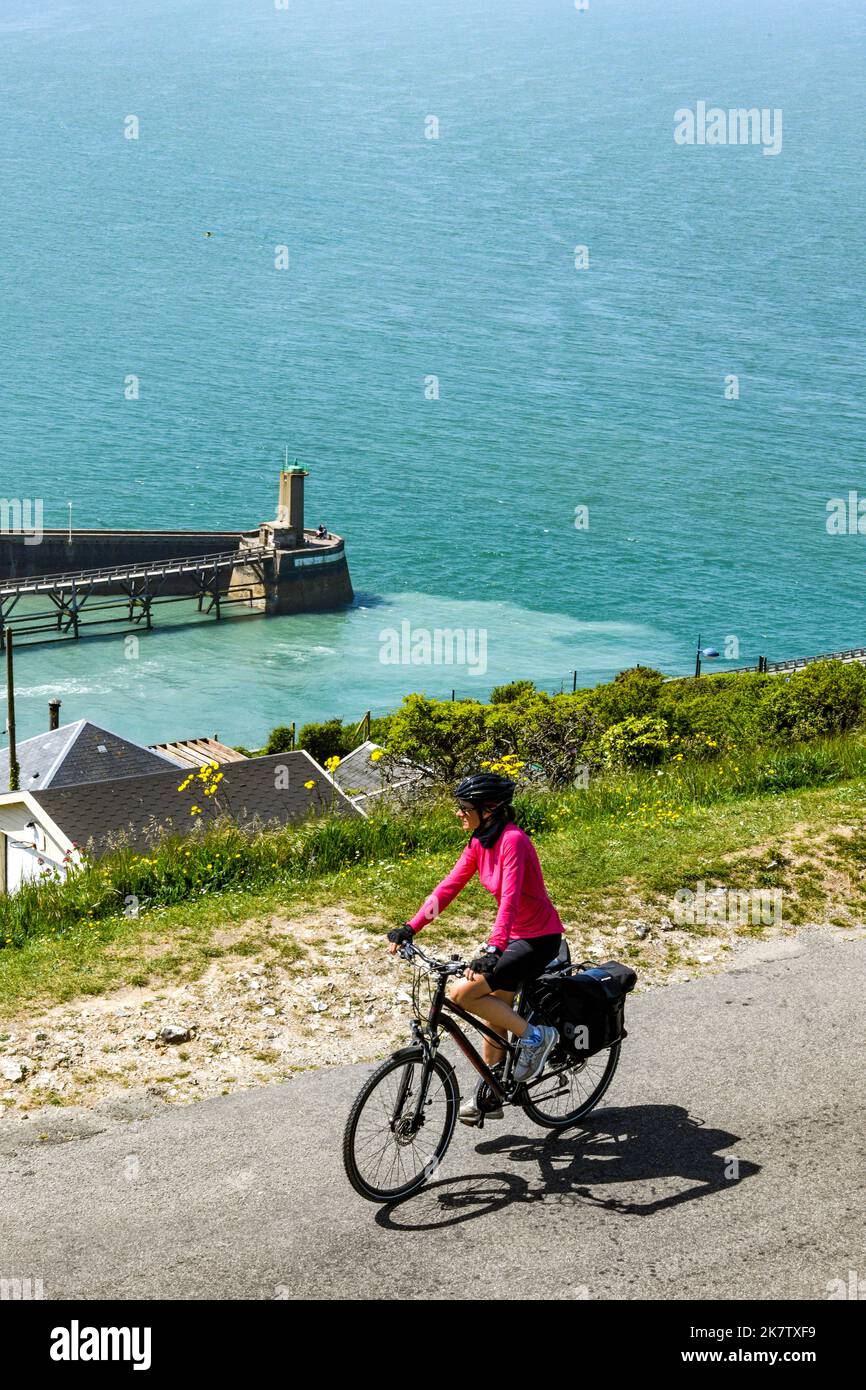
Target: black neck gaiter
x,y
488,833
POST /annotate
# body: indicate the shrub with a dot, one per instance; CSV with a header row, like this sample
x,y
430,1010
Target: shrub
x,y
725,708
326,740
514,690
380,729
559,738
827,697
279,740
447,736
506,722
636,742
632,692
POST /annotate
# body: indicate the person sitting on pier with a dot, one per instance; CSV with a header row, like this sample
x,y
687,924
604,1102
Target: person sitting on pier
x,y
321,531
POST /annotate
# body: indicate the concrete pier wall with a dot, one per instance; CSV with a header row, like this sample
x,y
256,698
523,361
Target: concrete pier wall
x,y
300,581
20,559
303,579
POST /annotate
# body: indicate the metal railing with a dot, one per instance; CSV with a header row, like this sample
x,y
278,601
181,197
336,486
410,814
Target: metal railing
x,y
144,569
796,663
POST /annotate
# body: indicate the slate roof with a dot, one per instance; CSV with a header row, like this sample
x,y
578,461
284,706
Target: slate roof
x,y
76,754
140,810
359,776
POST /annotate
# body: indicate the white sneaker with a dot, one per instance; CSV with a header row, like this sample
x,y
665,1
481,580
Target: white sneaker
x,y
530,1060
470,1112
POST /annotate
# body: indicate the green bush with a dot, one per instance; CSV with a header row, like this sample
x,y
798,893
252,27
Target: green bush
x,y
558,738
636,742
633,692
827,697
514,690
280,740
447,736
380,729
326,740
724,708
638,719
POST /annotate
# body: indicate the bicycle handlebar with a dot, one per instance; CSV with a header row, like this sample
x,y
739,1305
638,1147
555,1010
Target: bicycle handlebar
x,y
445,967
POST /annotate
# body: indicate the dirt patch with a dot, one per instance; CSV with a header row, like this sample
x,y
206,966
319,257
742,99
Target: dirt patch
x,y
245,1021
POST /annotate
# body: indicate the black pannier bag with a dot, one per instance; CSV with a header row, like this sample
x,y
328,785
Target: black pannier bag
x,y
586,1003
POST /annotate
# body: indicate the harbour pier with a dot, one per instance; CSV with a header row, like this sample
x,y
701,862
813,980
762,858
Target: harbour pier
x,y
63,584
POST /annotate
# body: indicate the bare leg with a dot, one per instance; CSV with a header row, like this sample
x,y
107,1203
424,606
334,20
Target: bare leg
x,y
476,997
491,1053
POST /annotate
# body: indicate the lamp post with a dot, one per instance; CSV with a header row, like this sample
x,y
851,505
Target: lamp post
x,y
708,653
69,505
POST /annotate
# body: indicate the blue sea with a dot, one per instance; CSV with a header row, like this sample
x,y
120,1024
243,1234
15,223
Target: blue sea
x,y
459,380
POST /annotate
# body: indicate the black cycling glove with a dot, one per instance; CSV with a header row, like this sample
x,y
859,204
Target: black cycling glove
x,y
487,962
400,935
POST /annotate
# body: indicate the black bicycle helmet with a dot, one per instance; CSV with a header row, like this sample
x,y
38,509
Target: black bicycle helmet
x,y
486,789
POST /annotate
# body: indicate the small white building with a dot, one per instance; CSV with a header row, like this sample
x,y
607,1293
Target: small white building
x,y
31,844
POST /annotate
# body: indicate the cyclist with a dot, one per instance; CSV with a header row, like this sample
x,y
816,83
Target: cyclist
x,y
526,935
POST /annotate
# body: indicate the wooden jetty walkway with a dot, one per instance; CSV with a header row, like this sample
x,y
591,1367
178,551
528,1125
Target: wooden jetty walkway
x,y
128,594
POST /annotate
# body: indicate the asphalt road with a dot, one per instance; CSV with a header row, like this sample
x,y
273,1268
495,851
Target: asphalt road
x,y
245,1196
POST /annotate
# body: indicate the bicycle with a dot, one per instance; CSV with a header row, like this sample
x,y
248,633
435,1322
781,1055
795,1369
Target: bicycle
x,y
411,1100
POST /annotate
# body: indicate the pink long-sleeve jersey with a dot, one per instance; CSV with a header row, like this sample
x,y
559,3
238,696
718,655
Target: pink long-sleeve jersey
x,y
511,871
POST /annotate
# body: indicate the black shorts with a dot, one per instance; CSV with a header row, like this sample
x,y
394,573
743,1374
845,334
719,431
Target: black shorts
x,y
523,960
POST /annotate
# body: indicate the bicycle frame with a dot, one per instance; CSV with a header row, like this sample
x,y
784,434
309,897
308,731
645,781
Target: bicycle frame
x,y
438,1020
472,1054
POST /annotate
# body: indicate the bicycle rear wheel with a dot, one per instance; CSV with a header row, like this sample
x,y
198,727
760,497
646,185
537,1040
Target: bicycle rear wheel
x,y
386,1156
568,1089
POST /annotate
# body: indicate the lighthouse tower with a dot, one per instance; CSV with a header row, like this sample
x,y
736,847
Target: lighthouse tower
x,y
301,573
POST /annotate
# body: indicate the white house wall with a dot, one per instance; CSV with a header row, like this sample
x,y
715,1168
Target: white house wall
x,y
14,818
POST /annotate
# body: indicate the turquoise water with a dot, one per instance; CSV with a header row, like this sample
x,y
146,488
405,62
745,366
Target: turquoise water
x,y
409,258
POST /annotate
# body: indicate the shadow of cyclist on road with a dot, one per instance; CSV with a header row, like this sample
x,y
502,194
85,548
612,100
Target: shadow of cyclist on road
x,y
659,1154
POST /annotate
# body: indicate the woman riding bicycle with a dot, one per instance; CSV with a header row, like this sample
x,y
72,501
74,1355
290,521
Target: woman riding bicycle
x,y
526,935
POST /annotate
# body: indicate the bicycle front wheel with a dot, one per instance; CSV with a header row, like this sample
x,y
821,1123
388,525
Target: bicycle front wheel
x,y
568,1090
390,1149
